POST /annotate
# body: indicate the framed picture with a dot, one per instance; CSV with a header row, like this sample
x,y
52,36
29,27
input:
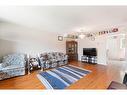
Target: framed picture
x,y
60,38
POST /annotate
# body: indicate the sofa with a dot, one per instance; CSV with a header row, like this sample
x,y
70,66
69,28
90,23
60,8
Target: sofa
x,y
52,59
12,65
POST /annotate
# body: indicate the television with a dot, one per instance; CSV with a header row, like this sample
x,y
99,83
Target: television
x,y
90,51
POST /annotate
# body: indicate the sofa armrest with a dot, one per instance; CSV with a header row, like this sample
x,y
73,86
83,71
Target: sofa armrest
x,y
2,65
0,60
66,57
42,61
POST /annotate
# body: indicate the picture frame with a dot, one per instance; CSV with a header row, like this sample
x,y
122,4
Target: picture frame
x,y
60,38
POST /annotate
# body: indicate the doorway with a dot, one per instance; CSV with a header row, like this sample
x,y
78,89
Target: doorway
x,y
116,53
116,48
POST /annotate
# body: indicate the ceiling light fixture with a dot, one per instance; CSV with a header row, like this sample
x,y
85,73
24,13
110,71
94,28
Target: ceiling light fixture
x,y
82,36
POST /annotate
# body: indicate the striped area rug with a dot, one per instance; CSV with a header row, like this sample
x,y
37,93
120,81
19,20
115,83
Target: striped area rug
x,y
62,77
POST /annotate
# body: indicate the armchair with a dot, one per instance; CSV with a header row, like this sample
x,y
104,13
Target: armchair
x,y
12,65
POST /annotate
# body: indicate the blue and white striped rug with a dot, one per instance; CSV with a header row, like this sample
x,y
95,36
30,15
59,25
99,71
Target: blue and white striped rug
x,y
62,77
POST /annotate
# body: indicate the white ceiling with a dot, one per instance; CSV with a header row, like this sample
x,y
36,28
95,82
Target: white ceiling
x,y
65,19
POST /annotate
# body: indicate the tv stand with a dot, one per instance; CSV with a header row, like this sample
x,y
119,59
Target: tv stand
x,y
89,59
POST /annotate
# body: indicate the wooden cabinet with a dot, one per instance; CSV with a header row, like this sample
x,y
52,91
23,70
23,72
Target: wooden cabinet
x,y
71,50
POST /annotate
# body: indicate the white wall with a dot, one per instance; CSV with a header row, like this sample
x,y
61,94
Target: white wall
x,y
17,38
99,43
126,51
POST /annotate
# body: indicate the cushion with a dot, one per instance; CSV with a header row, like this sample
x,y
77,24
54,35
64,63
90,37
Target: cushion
x,y
34,61
12,67
14,59
46,57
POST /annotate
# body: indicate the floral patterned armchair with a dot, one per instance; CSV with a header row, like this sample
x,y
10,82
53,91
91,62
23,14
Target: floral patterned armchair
x,y
12,65
52,59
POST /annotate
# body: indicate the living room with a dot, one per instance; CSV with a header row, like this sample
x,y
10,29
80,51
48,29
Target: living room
x,y
55,43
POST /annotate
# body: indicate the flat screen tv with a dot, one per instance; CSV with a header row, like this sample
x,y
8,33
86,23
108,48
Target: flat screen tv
x,y
90,51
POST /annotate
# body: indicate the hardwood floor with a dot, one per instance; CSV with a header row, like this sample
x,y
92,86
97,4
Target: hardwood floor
x,y
100,78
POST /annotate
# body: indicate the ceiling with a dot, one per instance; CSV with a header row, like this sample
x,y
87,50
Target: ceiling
x,y
65,19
